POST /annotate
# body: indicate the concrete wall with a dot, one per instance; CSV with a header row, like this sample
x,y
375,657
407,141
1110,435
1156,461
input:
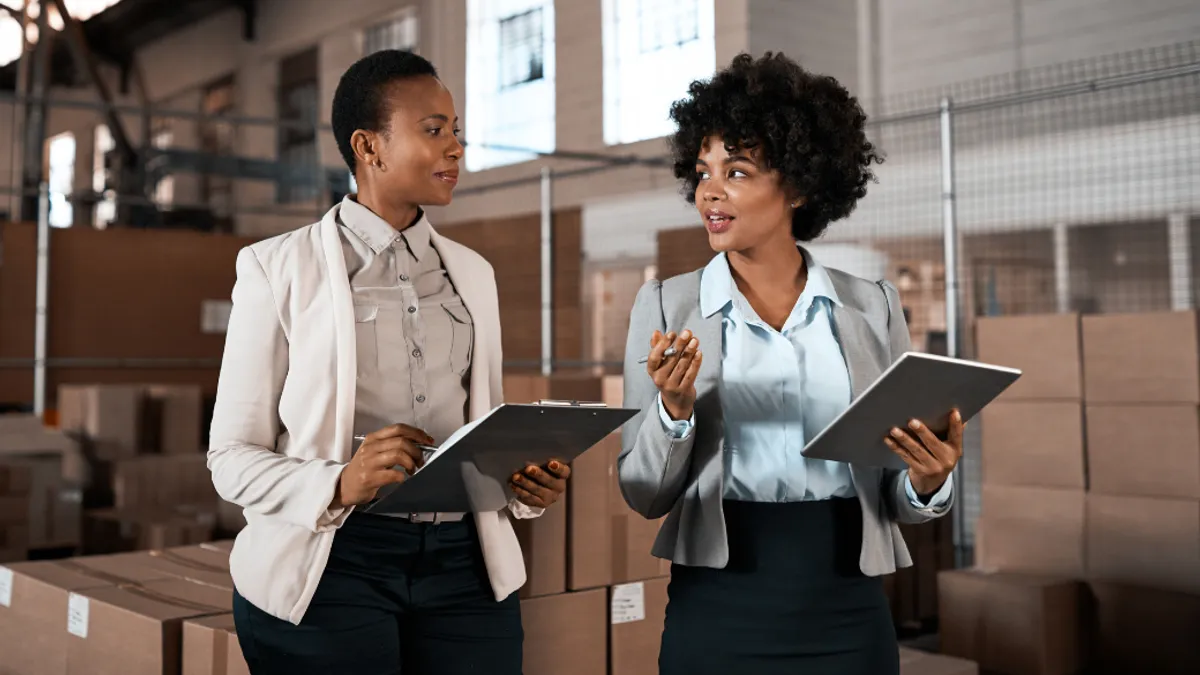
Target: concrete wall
x,y
927,44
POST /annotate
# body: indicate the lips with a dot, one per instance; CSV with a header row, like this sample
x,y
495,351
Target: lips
x,y
717,221
450,177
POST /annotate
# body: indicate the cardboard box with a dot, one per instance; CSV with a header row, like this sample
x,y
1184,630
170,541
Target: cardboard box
x,y
137,629
633,536
1144,541
33,639
174,412
14,536
914,662
544,546
567,631
1170,432
1141,630
54,506
1045,348
1141,358
15,480
184,562
1033,443
589,527
1012,624
118,531
637,613
525,388
1038,530
14,510
163,481
108,416
210,647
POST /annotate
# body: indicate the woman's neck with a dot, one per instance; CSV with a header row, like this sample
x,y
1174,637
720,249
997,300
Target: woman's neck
x,y
769,268
400,215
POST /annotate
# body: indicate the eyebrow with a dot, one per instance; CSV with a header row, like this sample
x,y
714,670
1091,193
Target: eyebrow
x,y
731,159
439,117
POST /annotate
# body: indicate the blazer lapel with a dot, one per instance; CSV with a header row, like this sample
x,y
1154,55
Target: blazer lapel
x,y
477,304
342,304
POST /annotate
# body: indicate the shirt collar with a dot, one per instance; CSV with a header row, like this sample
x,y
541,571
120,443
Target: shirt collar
x,y
379,235
717,287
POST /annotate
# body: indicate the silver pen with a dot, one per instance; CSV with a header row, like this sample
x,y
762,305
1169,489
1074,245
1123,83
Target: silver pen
x,y
670,352
427,450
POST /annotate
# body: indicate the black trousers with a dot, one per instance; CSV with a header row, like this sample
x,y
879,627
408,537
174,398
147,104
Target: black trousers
x,y
790,601
396,598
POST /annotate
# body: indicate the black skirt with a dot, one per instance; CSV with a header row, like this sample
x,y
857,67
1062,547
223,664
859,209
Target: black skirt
x,y
791,600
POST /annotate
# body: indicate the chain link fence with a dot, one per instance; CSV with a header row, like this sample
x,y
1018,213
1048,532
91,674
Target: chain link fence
x,y
1071,188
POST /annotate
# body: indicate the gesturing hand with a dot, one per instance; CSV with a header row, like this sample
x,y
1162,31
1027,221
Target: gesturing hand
x,y
675,376
373,464
930,459
540,486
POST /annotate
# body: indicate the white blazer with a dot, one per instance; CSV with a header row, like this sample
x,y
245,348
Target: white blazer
x,y
282,427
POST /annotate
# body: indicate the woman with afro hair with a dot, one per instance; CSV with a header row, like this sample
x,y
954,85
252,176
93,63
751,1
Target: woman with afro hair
x,y
777,559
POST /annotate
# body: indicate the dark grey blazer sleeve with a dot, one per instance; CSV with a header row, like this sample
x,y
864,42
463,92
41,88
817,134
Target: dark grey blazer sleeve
x,y
653,465
894,491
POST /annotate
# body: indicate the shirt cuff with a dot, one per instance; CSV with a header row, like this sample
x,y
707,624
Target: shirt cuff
x,y
677,428
939,499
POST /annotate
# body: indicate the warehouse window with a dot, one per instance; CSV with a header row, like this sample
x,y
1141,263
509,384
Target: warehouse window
x,y
653,49
398,32
61,149
298,97
106,206
510,81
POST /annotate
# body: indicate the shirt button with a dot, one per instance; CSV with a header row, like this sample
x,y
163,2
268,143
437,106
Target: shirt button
x,y
403,277
420,398
416,353
412,310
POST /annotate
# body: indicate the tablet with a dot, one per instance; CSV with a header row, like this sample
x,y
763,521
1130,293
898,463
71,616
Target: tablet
x,y
920,386
470,471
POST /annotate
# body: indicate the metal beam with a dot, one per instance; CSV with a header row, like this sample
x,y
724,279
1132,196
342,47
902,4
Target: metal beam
x,y
77,43
35,116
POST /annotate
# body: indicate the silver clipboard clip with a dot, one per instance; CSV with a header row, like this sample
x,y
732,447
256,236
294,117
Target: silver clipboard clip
x,y
571,404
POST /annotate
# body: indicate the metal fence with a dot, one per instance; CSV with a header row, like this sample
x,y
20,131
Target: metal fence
x,y
1061,189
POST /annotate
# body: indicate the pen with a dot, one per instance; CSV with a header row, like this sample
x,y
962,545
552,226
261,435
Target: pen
x,y
670,352
424,448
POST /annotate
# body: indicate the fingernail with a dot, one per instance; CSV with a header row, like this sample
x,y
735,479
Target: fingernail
x,y
914,425
957,416
555,465
897,433
693,343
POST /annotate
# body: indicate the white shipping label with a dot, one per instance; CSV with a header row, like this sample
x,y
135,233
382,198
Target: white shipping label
x,y
77,615
628,603
6,584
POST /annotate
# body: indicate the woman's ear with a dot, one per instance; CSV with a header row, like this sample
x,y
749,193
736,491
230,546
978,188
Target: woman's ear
x,y
363,145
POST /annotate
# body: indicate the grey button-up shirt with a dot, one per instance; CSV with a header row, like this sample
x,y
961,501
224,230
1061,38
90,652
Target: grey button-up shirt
x,y
412,331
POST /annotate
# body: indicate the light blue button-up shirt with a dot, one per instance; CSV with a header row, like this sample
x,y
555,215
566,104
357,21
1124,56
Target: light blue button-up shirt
x,y
778,390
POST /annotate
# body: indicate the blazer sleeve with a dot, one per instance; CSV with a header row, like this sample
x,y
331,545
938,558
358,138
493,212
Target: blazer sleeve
x,y
246,469
653,465
894,482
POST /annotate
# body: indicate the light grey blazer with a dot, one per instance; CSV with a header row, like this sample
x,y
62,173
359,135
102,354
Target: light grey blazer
x,y
684,478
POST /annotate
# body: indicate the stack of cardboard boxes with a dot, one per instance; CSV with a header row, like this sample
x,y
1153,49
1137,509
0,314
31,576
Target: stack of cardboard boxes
x,y
1091,497
40,473
595,598
147,484
119,613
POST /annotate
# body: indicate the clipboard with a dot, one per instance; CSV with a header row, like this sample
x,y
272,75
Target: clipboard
x,y
916,386
470,471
